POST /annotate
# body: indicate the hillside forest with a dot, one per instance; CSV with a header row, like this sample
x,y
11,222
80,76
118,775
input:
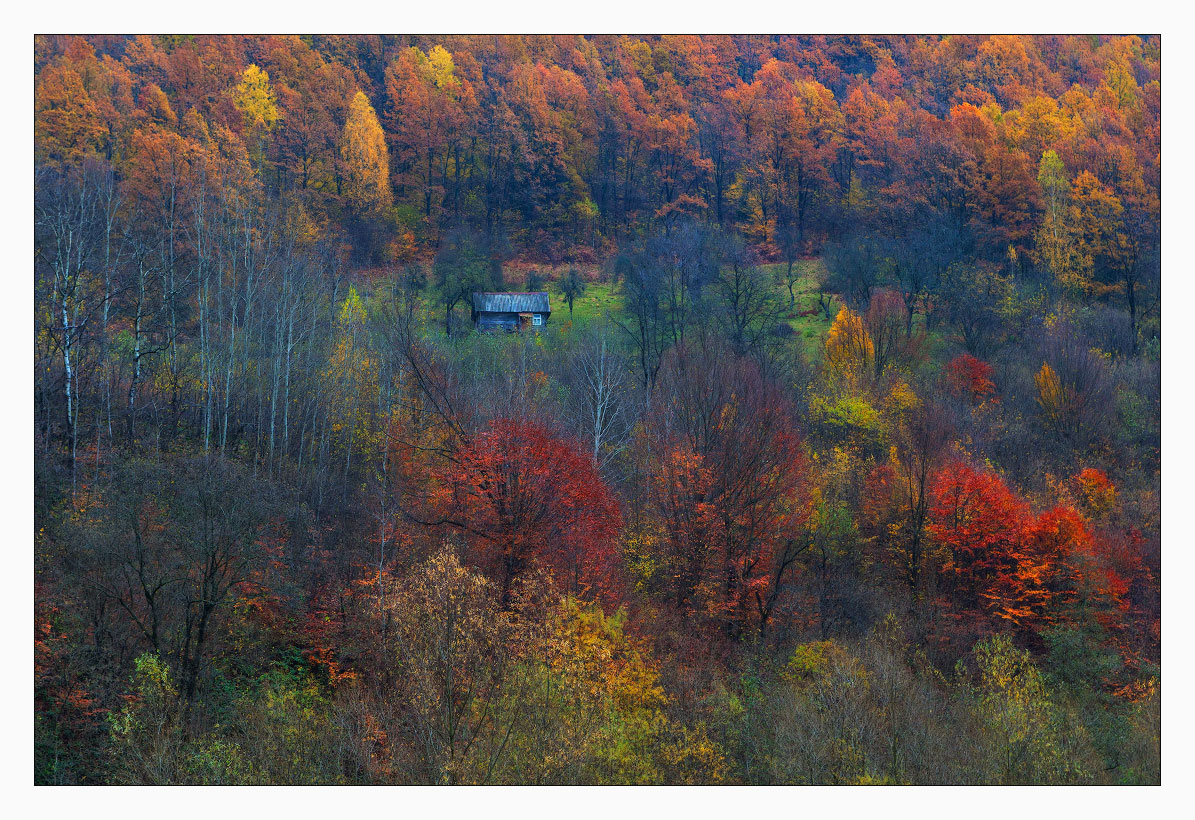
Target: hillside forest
x,y
838,460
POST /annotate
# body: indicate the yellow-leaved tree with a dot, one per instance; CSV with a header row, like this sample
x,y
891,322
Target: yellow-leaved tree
x,y
366,158
600,714
351,381
1051,395
1053,246
1080,227
255,99
849,349
442,69
1095,218
1029,738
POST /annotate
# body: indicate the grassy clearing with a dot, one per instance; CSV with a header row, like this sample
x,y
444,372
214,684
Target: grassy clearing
x,y
602,299
807,320
803,314
811,328
599,300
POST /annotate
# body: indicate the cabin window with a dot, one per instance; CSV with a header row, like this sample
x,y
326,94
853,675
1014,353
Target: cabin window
x,y
537,320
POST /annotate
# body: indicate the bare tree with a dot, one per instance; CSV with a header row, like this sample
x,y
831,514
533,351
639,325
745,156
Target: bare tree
x,y
602,394
66,221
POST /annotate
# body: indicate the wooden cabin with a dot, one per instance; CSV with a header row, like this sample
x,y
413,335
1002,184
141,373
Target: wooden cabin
x,y
511,311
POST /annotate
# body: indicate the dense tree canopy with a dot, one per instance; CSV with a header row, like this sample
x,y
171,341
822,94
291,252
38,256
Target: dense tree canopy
x,y
841,466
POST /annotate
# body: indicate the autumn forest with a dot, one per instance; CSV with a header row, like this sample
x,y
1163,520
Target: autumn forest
x,y
837,460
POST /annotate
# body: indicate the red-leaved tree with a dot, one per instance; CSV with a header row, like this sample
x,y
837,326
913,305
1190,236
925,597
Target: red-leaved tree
x,y
728,488
970,378
1007,569
524,495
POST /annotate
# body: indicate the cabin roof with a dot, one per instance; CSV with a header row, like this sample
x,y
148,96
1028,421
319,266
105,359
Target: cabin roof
x,y
527,302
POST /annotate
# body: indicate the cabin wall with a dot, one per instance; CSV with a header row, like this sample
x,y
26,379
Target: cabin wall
x,y
498,321
505,321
